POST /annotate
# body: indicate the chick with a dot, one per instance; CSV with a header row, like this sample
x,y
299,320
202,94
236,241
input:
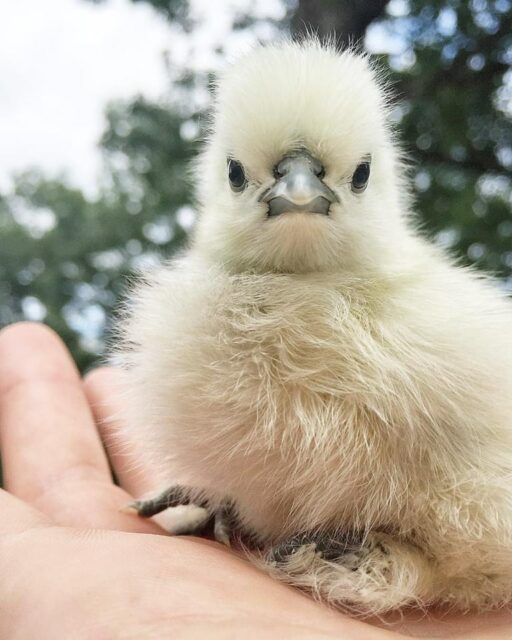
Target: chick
x,y
322,380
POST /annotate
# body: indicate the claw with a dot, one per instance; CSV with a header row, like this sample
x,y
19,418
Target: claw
x,y
131,508
223,539
221,528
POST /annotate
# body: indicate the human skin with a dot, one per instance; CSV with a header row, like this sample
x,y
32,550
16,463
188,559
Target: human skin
x,y
74,566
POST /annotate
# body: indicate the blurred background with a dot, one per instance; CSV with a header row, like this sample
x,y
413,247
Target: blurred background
x,y
102,105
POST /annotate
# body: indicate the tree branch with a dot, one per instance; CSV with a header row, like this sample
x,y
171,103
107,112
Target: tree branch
x,y
346,20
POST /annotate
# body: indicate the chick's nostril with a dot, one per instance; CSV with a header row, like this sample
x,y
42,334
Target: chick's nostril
x,y
320,172
276,173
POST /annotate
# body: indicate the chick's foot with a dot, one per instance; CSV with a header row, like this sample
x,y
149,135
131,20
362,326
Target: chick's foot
x,y
369,575
202,518
175,496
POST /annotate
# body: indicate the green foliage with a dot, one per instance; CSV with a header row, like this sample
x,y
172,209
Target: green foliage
x,y
73,256
456,91
66,258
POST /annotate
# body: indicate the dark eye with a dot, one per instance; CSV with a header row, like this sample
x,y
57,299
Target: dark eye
x,y
236,175
360,177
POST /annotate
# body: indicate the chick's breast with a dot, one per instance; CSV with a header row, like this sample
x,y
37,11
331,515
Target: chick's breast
x,y
240,383
308,400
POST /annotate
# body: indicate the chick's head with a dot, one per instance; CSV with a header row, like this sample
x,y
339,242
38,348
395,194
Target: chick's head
x,y
300,172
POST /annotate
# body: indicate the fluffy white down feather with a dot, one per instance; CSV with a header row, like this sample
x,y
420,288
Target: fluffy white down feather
x,y
330,373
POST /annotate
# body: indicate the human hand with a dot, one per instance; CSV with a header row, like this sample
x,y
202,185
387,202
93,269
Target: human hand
x,y
74,566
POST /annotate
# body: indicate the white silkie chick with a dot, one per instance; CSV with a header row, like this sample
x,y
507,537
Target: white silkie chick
x,y
322,379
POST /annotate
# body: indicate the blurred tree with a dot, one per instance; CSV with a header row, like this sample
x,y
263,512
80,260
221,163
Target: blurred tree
x,y
453,73
347,21
64,258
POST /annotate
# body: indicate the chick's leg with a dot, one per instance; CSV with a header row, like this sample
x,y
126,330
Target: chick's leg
x,y
198,518
369,576
175,496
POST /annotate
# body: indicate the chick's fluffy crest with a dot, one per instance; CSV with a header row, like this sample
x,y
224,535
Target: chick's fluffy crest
x,y
291,94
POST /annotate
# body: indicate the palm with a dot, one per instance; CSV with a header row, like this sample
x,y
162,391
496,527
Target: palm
x,y
78,567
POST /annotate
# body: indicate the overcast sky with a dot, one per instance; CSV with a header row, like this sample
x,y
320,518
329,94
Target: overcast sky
x,y
61,61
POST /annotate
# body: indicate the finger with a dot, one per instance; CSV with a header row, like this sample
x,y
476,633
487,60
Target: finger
x,y
16,516
52,454
41,408
105,391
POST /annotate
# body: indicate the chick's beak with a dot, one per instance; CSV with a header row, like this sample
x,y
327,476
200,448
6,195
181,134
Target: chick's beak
x,y
298,187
